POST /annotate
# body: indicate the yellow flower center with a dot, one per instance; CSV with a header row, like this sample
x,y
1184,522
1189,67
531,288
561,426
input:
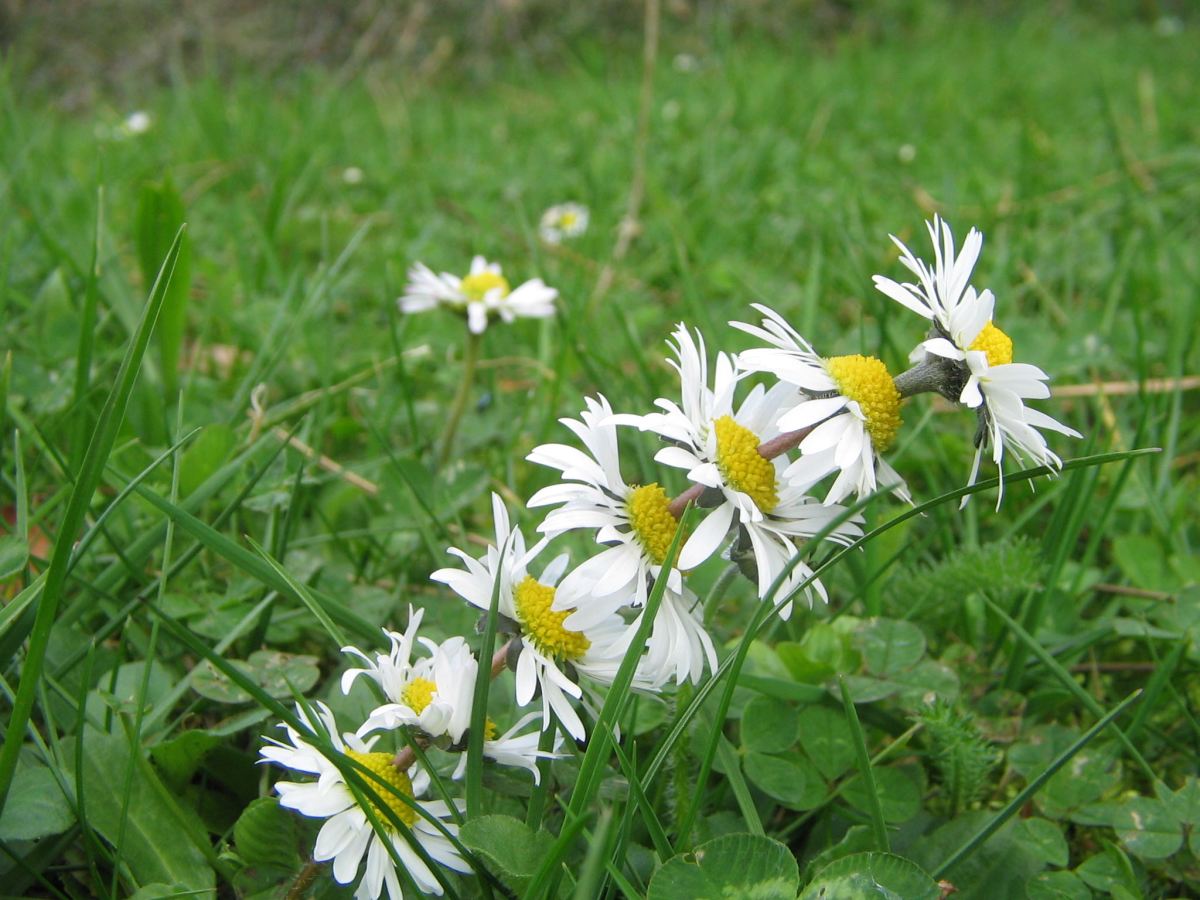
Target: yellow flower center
x,y
742,466
418,694
568,219
867,381
476,287
995,343
543,626
651,520
381,764
489,729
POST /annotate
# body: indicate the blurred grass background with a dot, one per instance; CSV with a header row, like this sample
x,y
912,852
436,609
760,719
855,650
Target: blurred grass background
x,y
320,149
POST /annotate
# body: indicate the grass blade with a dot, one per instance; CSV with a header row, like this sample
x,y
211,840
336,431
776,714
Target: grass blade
x,y
878,827
974,842
90,471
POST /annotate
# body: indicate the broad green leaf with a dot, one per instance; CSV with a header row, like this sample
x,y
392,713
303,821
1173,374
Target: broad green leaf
x,y
745,866
159,891
1185,802
279,674
121,694
822,652
899,796
1000,867
36,806
1148,828
857,839
265,835
149,816
1108,870
1142,561
878,876
889,646
1058,886
791,780
204,457
510,848
826,739
180,757
1044,839
768,725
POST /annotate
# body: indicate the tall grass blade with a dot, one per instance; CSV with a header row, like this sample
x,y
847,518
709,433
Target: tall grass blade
x,y
90,471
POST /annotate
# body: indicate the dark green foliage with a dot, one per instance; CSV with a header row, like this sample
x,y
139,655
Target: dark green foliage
x,y
962,757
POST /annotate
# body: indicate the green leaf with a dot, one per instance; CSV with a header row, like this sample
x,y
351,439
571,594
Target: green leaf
x,y
822,652
14,553
180,757
879,876
510,848
889,646
145,811
1043,839
1058,886
160,216
204,457
1000,867
279,674
1142,561
1108,871
793,780
768,725
745,866
265,835
1185,802
825,737
36,806
1148,828
899,796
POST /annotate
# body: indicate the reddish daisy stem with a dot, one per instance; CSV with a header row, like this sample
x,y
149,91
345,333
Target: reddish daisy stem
x,y
789,440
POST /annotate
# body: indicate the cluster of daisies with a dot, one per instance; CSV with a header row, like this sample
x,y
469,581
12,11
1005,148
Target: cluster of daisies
x,y
770,467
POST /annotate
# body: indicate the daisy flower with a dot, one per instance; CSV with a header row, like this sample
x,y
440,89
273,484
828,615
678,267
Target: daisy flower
x,y
482,295
347,833
850,403
433,693
635,524
718,446
972,357
548,652
515,749
565,220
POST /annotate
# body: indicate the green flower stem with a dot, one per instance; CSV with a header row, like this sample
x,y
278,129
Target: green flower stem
x,y
470,362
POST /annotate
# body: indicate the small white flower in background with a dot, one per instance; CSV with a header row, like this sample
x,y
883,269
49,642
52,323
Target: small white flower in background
x,y
352,175
482,295
433,693
906,153
547,647
718,447
135,123
636,526
566,220
850,403
975,355
347,833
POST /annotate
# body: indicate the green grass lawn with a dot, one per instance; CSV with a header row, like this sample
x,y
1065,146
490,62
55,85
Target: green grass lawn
x,y
775,169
